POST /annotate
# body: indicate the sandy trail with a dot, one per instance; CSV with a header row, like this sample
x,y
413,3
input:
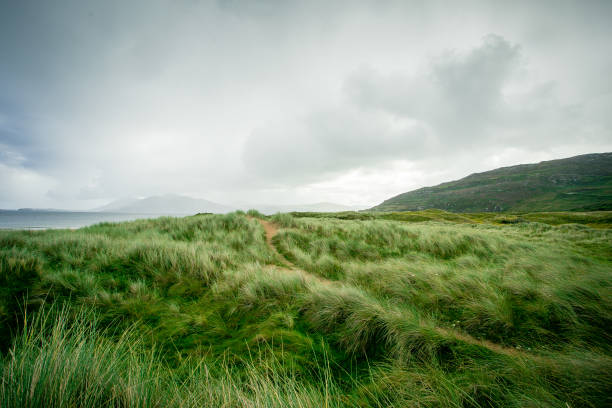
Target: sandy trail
x,y
271,230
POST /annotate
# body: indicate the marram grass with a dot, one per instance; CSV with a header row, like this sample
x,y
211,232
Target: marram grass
x,y
62,359
372,311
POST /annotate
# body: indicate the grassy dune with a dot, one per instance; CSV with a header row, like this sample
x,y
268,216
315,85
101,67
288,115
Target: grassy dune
x,y
353,309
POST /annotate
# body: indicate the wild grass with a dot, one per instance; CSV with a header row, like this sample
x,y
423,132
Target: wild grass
x,y
62,359
198,311
509,288
593,219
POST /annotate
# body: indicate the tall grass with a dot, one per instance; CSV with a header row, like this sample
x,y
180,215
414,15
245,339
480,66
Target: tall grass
x,y
594,219
62,359
198,312
513,288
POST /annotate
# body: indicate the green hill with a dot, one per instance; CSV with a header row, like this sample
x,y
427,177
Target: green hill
x,y
580,183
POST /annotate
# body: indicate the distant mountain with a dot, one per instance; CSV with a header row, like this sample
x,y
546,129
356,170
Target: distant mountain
x,y
164,204
317,207
580,183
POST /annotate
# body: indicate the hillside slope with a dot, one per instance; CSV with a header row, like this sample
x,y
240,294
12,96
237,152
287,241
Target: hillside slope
x,y
580,183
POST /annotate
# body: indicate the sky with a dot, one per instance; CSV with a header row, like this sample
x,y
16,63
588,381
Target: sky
x,y
285,102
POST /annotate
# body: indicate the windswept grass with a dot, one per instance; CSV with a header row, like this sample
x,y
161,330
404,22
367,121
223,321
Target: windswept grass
x,y
62,359
200,311
593,219
519,288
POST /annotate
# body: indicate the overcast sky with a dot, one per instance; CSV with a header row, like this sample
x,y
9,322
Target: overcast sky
x,y
291,102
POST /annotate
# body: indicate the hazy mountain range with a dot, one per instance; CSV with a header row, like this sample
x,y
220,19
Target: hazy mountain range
x,y
178,204
165,204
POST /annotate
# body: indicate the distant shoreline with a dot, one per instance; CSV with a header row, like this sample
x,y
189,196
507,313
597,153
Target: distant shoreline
x,y
40,220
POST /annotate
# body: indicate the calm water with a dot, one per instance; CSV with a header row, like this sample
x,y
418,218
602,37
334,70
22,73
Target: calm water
x,y
61,219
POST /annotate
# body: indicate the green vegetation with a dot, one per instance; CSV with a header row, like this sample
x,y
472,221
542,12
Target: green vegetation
x,y
580,183
354,309
63,359
594,219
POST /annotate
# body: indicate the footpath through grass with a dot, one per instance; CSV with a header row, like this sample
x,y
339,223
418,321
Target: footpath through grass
x,y
201,311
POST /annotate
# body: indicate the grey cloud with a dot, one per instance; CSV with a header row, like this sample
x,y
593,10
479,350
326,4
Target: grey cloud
x,y
389,117
328,142
458,95
115,98
20,185
462,101
471,86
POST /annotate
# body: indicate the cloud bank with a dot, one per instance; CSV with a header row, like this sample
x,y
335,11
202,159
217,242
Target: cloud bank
x,y
286,102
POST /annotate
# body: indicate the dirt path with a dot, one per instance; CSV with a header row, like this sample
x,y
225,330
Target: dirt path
x,y
497,348
271,231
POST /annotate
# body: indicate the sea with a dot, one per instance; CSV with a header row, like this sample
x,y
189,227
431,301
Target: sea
x,y
40,219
